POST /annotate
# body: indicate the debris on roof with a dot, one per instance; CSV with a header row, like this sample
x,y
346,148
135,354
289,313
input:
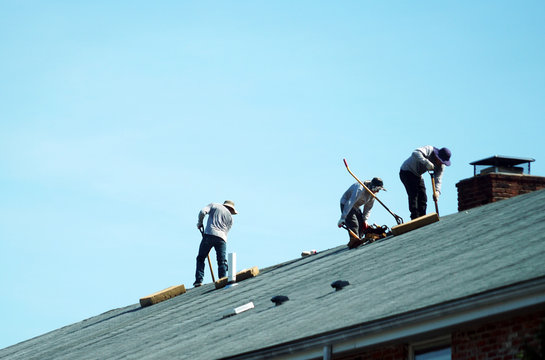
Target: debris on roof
x,y
308,253
162,295
372,233
239,309
415,224
241,275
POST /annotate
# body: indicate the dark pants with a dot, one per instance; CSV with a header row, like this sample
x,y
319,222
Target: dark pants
x,y
208,242
416,190
354,221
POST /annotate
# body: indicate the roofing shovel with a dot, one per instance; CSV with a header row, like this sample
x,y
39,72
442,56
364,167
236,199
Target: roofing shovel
x,y
209,263
398,218
434,192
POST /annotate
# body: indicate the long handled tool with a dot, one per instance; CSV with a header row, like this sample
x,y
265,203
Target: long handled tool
x,y
398,218
209,263
434,192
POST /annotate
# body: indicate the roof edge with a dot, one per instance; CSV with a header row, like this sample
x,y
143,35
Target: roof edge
x,y
489,303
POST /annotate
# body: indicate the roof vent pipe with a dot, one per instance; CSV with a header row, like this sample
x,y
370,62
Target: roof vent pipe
x,y
232,265
232,270
279,299
339,284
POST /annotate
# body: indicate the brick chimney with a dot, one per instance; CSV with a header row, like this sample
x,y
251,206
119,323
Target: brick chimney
x,y
497,178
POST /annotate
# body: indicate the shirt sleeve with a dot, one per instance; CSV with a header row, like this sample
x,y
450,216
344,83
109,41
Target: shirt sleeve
x,y
421,155
438,175
367,207
205,210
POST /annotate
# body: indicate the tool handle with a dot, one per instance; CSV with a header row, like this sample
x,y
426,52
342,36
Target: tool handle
x,y
399,220
434,192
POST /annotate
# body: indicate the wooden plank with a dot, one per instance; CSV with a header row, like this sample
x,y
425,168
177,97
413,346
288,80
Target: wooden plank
x,y
162,295
241,276
415,224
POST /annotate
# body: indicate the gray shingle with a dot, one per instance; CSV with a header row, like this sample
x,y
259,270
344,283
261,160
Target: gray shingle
x,y
467,253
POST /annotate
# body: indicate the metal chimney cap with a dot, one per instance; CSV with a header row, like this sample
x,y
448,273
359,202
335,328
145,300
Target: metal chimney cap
x,y
500,160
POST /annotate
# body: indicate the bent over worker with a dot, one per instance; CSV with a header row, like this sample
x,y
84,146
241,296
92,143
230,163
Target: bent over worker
x,y
214,236
353,199
425,158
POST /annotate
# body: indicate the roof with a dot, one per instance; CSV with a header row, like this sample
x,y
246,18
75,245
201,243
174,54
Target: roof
x,y
476,255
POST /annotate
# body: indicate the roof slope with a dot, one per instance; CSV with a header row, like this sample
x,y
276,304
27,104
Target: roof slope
x,y
466,253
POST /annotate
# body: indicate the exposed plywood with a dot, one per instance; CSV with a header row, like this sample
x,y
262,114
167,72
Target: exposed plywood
x,y
241,275
415,224
162,295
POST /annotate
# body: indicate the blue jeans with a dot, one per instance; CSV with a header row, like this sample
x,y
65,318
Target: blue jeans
x,y
208,242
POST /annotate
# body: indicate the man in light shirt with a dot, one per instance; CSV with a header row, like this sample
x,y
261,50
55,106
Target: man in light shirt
x,y
425,158
351,201
214,236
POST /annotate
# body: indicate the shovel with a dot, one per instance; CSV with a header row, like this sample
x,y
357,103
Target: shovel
x,y
398,218
209,263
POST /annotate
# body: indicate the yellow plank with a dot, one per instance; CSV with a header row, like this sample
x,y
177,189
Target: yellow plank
x,y
241,275
415,224
162,295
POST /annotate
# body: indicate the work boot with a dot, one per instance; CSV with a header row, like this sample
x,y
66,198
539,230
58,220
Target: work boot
x,y
197,284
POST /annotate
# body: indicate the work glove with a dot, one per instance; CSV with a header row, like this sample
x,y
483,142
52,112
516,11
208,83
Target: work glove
x,y
340,223
365,225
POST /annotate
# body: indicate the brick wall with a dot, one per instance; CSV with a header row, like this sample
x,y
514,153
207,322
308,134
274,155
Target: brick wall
x,y
495,340
484,189
498,340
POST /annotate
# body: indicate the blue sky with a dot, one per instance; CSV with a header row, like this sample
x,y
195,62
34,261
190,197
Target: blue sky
x,y
120,120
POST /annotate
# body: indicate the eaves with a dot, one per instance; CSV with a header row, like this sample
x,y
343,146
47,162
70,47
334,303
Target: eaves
x,y
410,324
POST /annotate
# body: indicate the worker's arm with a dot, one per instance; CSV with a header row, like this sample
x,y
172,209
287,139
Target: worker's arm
x,y
202,214
438,176
422,155
369,202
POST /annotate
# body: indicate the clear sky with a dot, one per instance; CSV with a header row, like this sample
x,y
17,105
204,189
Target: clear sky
x,y
120,120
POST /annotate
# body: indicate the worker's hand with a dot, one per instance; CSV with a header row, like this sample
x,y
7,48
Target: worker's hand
x,y
199,226
365,225
435,196
340,223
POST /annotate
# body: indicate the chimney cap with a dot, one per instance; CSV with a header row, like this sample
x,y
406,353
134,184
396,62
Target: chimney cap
x,y
500,160
503,164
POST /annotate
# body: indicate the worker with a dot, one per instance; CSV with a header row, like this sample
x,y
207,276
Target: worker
x,y
214,235
425,158
353,199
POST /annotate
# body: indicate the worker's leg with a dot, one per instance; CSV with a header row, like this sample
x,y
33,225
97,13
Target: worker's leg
x,y
411,183
422,198
221,249
204,249
352,220
361,227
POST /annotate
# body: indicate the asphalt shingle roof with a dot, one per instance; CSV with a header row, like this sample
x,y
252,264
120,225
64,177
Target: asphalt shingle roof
x,y
466,253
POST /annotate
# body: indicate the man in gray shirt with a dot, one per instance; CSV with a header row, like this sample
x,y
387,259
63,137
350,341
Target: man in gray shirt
x,y
353,199
425,158
214,236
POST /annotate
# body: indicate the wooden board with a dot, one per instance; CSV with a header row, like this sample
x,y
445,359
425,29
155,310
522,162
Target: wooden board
x,y
241,275
415,224
162,295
